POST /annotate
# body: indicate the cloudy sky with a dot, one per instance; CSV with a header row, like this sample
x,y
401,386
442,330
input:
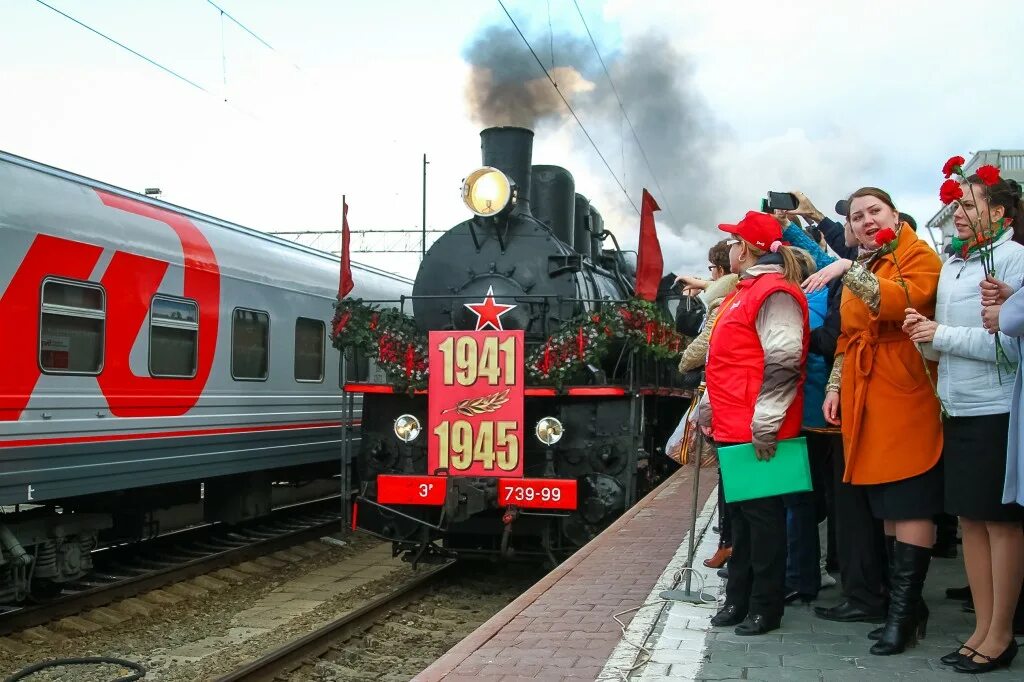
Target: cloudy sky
x,y
728,100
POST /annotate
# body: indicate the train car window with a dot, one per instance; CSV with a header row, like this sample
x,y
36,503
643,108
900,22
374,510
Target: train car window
x,y
173,337
250,342
72,319
309,349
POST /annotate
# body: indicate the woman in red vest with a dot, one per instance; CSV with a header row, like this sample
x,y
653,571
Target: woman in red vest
x,y
754,376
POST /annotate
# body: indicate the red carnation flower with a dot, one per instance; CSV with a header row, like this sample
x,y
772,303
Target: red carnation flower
x,y
952,165
950,191
989,174
884,236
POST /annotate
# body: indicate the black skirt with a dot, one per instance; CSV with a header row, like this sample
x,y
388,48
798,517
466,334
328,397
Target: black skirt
x,y
974,450
917,497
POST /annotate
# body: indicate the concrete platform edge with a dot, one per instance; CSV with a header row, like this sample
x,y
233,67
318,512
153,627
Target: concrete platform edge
x,y
624,657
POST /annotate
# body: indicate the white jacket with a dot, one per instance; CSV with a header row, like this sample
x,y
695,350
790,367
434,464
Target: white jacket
x,y
969,382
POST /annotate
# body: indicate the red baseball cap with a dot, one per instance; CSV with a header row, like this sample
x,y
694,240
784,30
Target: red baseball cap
x,y
760,229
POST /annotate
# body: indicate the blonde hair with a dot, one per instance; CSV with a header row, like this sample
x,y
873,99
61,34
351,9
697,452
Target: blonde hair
x,y
791,268
806,261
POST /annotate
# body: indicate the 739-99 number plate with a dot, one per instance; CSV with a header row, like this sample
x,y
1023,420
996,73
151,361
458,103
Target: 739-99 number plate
x,y
537,493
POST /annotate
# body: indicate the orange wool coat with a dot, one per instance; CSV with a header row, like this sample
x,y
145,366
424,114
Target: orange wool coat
x,y
890,415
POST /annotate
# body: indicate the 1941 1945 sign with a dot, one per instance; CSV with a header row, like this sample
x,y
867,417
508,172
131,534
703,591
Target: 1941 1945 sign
x,y
475,420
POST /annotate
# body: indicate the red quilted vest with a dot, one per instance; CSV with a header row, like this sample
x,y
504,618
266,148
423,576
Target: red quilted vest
x,y
735,367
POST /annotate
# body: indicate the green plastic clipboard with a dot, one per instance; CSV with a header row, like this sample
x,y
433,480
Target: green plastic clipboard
x,y
745,477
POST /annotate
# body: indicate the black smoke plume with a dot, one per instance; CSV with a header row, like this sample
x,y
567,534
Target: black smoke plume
x,y
506,86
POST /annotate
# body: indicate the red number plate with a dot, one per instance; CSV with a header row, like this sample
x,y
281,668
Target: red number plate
x,y
428,490
537,493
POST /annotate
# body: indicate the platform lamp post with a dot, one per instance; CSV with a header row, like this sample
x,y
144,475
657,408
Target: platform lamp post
x,y
688,595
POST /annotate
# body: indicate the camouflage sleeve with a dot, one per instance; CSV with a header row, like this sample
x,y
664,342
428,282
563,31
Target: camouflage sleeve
x,y
836,377
863,284
780,327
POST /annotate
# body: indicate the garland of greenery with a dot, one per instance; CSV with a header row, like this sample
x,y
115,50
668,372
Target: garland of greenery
x,y
585,340
387,336
400,349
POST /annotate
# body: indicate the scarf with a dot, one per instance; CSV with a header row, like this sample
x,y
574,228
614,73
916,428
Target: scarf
x,y
867,257
965,247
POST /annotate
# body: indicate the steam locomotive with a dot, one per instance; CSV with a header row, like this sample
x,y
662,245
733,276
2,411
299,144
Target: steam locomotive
x,y
535,244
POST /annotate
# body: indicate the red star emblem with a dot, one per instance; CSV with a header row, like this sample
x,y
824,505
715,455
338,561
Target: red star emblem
x,y
489,312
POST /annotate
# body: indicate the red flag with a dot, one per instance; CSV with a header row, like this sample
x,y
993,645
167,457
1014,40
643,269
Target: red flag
x,y
649,263
345,284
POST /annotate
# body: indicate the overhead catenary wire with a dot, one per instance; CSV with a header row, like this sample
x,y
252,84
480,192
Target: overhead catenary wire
x,y
569,107
125,47
626,115
239,24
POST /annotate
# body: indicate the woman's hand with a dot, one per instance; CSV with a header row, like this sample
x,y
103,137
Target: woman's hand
x,y
830,408
822,277
690,282
994,291
922,331
990,317
913,318
805,208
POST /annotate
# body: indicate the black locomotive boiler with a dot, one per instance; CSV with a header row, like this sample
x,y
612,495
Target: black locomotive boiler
x,y
534,243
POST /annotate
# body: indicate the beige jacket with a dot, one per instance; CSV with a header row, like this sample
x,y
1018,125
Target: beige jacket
x,y
696,352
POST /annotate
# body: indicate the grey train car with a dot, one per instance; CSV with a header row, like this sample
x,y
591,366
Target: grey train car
x,y
159,367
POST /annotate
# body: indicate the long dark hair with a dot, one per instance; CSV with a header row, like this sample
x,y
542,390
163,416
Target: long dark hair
x,y
1005,193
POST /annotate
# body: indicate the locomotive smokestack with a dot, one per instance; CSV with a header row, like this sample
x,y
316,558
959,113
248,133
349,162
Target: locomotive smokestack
x,y
510,150
553,200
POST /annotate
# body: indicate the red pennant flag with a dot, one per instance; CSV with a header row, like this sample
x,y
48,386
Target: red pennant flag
x,y
649,263
345,284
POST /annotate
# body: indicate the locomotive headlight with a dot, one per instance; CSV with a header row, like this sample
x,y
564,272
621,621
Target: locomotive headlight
x,y
549,430
407,428
487,191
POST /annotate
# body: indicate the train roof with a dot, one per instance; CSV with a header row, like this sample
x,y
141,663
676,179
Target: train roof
x,y
196,215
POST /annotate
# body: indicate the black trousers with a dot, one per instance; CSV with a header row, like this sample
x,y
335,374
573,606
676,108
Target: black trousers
x,y
860,542
757,569
724,522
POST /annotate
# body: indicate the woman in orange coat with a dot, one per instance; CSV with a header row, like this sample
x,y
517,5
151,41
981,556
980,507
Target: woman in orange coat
x,y
891,424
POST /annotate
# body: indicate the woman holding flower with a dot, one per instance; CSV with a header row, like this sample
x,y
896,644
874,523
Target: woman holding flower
x,y
977,390
890,416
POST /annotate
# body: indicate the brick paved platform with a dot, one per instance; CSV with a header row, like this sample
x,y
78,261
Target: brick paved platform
x,y
562,627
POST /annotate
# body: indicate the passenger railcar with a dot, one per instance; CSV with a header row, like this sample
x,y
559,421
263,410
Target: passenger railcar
x,y
146,350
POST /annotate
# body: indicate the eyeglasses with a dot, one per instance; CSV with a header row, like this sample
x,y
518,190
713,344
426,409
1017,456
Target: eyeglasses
x,y
732,242
712,268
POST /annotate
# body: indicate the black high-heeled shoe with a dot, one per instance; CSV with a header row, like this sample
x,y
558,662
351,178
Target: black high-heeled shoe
x,y
954,657
1003,660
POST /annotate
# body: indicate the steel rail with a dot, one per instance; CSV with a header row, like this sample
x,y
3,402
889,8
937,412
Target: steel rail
x,y
213,558
316,643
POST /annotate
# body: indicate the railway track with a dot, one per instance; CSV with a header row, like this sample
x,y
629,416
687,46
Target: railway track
x,y
131,570
299,652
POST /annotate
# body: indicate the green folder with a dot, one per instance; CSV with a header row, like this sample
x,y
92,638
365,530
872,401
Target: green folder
x,y
745,477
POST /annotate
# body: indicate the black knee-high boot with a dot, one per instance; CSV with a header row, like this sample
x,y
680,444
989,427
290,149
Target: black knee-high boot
x,y
908,619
